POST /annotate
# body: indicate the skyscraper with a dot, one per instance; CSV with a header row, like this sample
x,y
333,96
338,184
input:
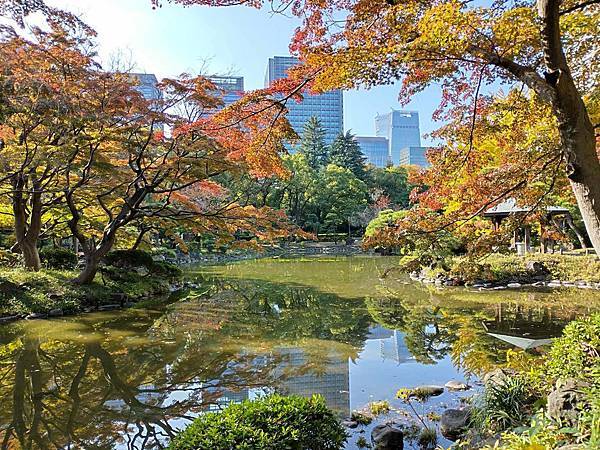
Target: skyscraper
x,y
327,107
231,88
401,128
147,85
375,149
414,156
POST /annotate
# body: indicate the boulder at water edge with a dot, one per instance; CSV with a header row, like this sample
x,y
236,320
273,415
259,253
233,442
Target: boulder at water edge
x,y
387,437
454,422
566,402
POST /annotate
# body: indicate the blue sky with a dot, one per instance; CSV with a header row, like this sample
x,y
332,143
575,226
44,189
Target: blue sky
x,y
237,40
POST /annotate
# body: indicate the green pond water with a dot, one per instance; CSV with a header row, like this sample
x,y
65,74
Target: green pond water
x,y
345,328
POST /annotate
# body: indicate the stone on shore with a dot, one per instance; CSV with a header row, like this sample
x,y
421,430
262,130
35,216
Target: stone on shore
x,y
387,437
455,385
454,423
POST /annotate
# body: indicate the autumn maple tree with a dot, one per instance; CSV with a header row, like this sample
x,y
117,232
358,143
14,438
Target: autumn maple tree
x,y
84,152
548,46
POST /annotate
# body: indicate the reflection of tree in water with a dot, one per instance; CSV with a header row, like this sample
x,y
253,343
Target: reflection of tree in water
x,y
428,334
105,393
432,332
126,382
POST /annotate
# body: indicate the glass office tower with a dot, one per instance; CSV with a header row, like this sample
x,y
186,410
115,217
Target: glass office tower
x,y
147,85
231,88
401,128
327,107
375,149
414,156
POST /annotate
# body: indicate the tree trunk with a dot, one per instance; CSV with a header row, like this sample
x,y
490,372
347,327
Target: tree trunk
x,y
27,225
31,255
90,268
576,130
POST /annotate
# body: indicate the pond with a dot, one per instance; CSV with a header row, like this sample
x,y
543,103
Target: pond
x,y
348,329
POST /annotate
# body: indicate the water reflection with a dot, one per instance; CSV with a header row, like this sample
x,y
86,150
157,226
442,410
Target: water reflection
x,y
131,379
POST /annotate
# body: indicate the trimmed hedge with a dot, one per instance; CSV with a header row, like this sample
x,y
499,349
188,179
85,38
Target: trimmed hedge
x,y
58,258
274,422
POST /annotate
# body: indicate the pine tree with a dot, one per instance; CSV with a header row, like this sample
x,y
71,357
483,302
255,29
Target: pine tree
x,y
345,152
312,144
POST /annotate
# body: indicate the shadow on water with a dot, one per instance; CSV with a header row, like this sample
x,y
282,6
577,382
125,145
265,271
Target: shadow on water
x,y
131,379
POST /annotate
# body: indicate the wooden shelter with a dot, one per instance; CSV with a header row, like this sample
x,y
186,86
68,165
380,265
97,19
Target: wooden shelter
x,y
555,215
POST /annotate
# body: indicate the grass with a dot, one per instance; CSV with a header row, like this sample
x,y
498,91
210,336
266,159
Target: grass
x,y
24,292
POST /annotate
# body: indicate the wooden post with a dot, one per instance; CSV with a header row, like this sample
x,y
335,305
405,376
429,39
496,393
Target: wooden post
x,y
527,241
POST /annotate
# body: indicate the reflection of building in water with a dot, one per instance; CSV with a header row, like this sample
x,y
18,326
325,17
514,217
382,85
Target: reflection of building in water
x,y
391,343
148,395
330,377
225,398
527,328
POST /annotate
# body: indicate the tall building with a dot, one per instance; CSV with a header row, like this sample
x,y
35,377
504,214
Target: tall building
x,y
414,156
327,107
401,128
375,150
231,88
148,85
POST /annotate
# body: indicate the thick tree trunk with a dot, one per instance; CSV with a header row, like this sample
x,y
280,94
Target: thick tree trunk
x,y
28,225
576,130
31,255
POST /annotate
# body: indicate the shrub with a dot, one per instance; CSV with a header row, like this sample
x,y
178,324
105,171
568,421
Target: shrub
x,y
129,258
167,270
58,258
273,422
576,353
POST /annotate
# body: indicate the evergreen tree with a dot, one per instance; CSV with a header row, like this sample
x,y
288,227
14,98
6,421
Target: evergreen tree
x,y
345,152
312,144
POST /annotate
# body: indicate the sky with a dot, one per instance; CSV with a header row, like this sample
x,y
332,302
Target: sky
x,y
174,39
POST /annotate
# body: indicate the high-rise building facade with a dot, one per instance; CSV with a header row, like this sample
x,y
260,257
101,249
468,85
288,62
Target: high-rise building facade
x,y
401,128
327,107
231,89
375,150
414,156
147,85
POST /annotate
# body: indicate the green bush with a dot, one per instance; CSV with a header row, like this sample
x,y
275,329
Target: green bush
x,y
576,353
167,270
129,258
58,258
274,422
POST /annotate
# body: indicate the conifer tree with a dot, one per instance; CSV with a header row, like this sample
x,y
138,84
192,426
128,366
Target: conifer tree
x,y
312,144
345,152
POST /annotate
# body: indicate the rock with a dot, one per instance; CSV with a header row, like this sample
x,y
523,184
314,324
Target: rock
x,y
539,284
454,423
536,268
498,376
566,402
350,424
428,391
499,288
387,437
513,285
56,313
53,296
554,284
455,385
120,297
108,307
7,319
35,316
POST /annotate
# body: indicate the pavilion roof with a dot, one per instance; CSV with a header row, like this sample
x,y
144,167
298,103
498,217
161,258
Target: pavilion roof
x,y
509,206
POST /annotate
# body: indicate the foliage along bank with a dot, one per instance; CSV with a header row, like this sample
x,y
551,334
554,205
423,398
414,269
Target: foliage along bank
x,y
125,278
